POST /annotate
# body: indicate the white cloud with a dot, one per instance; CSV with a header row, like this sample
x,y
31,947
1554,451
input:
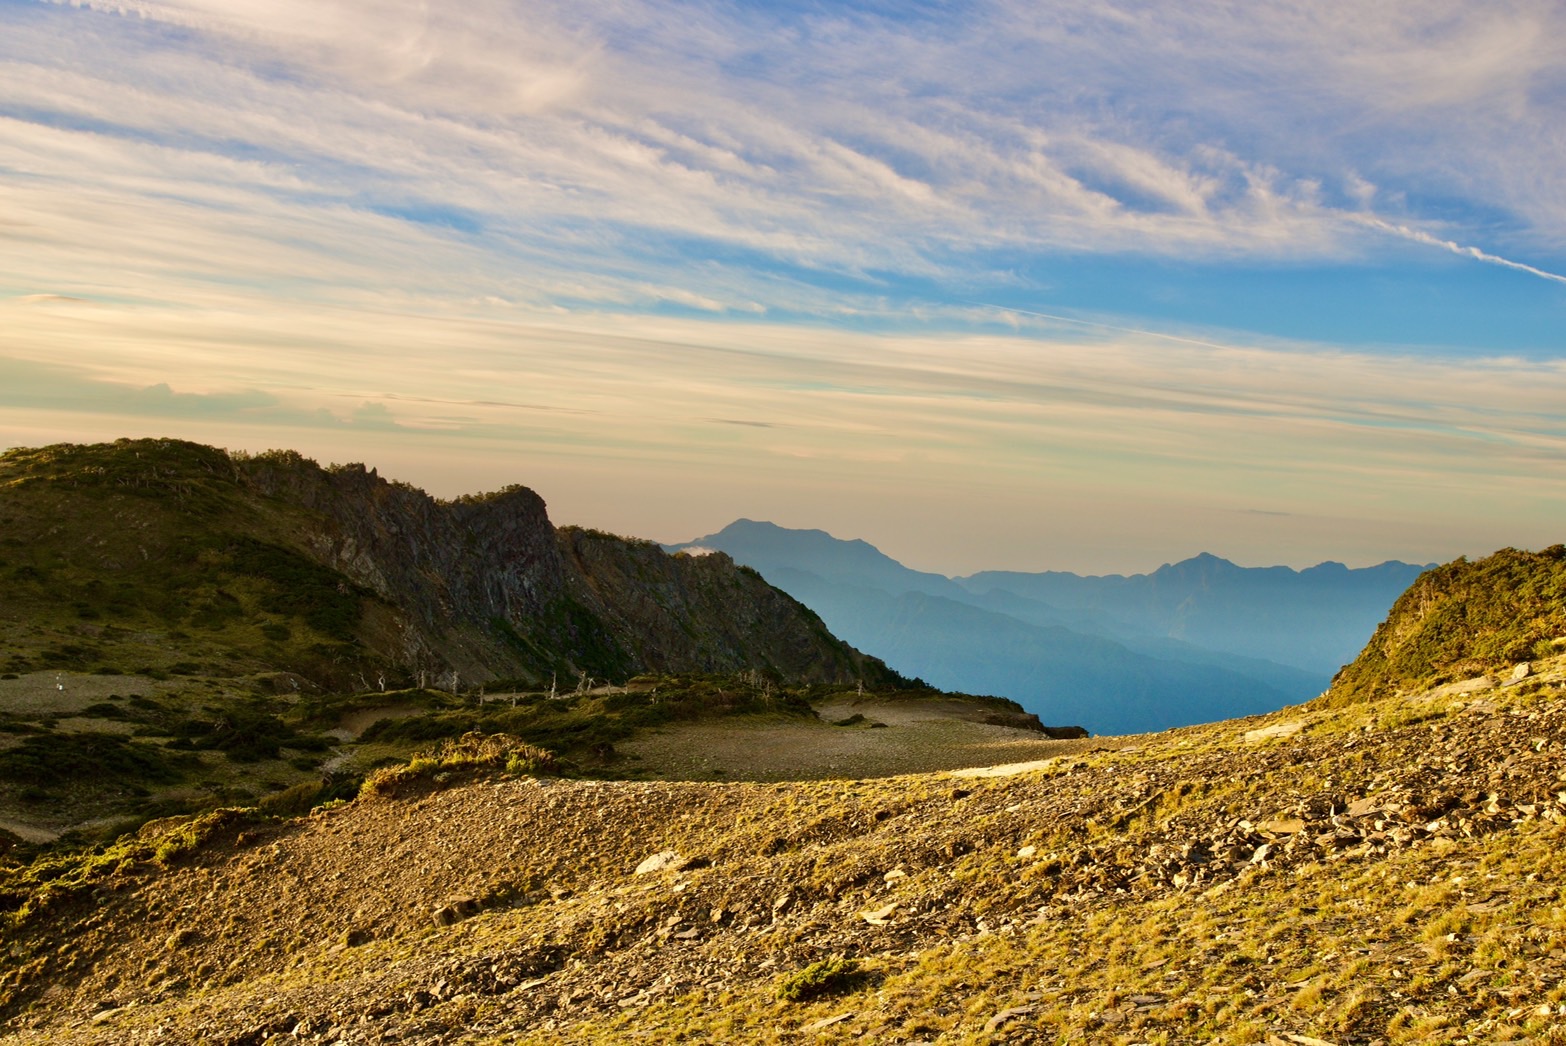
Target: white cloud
x,y
463,214
839,142
629,422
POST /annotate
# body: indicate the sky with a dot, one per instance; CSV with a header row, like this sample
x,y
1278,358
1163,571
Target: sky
x,y
1079,285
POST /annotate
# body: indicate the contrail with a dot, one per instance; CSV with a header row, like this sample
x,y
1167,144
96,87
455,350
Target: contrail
x,y
1101,326
1457,248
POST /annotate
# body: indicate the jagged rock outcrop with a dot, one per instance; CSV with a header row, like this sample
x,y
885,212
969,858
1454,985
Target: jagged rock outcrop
x,y
631,585
346,574
490,586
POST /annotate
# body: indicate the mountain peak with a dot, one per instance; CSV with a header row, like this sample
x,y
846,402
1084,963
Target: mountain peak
x,y
771,548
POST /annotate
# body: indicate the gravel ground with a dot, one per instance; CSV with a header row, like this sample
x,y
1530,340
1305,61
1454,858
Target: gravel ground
x,y
1159,892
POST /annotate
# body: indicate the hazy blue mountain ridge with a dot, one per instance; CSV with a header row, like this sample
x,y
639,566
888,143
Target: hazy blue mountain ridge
x,y
1317,619
1191,642
1064,677
763,546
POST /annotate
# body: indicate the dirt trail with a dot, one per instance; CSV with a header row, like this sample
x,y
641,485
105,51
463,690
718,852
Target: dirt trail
x,y
28,833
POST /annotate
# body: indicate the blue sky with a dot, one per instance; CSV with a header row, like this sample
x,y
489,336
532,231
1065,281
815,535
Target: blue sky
x,y
1071,285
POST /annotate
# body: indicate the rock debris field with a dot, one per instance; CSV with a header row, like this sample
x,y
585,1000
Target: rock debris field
x,y
1385,874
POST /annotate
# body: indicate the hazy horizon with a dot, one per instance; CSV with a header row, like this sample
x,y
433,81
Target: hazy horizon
x,y
1080,286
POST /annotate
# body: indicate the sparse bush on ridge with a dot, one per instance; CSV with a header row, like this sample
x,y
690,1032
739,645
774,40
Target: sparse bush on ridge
x,y
471,751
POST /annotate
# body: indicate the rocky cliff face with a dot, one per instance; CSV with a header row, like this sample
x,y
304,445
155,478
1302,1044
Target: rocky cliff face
x,y
489,588
640,591
478,583
472,590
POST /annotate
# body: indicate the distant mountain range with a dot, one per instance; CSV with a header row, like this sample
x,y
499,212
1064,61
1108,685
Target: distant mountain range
x,y
1191,642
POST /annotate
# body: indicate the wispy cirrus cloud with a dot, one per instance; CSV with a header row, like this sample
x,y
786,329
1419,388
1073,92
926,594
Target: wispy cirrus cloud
x,y
801,144
661,426
733,252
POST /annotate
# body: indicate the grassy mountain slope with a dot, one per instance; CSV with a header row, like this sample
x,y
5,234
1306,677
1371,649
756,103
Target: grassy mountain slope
x,y
1385,872
181,628
1463,620
165,555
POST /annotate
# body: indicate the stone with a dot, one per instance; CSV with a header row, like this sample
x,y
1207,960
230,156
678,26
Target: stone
x,y
1265,733
880,916
104,1016
827,1022
454,910
663,859
1521,672
1465,686
1027,851
1285,826
1363,807
1009,1013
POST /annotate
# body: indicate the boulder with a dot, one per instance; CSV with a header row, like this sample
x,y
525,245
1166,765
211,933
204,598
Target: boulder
x,y
661,861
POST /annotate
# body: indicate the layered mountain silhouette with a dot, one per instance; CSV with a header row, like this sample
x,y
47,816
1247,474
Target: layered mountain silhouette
x,y
1192,642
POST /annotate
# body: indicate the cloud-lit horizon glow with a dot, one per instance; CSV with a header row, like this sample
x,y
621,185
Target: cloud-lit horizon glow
x,y
1087,286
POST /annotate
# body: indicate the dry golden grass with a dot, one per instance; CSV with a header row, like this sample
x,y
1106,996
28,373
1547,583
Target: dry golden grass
x,y
1384,873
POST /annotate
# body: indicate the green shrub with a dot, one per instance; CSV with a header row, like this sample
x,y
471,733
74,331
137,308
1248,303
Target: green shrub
x,y
1461,620
51,756
471,751
104,710
245,733
834,976
306,796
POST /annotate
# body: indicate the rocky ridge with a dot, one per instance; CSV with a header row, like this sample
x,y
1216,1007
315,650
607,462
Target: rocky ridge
x,y
337,575
1463,620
